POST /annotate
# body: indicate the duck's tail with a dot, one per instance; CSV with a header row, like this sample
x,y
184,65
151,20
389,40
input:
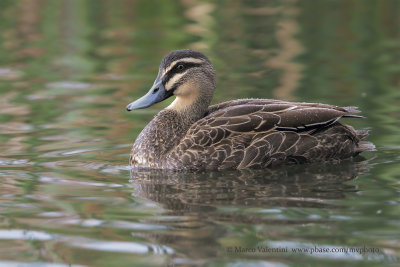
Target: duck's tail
x,y
364,145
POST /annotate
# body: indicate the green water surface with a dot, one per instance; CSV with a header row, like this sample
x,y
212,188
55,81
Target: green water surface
x,y
68,68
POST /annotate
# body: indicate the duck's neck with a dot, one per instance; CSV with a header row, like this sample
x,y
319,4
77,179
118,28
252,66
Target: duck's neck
x,y
166,131
190,109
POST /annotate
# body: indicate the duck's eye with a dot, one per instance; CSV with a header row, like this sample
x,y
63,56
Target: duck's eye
x,y
180,67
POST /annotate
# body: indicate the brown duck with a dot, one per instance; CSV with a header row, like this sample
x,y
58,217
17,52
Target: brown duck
x,y
246,133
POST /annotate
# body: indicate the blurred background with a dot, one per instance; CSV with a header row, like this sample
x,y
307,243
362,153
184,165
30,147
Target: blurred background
x,y
68,68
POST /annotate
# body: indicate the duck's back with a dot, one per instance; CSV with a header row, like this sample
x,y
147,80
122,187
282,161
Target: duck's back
x,y
259,133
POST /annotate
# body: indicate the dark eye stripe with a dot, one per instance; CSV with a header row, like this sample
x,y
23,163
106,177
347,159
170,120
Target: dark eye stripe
x,y
174,70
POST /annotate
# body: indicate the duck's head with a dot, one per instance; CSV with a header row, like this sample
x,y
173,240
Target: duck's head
x,y
186,74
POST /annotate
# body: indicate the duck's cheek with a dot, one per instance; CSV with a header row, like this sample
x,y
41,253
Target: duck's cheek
x,y
187,90
172,82
180,91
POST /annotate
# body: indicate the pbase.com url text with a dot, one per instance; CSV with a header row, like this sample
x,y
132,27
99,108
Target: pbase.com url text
x,y
307,250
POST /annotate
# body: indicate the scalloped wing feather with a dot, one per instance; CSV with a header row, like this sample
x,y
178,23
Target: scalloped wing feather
x,y
256,133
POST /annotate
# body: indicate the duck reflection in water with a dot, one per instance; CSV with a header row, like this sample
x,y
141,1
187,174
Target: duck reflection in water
x,y
296,185
203,202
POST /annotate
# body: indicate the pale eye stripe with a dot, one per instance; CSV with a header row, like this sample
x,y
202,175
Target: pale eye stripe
x,y
185,60
174,80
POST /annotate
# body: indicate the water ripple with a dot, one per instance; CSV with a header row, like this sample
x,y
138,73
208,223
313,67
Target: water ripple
x,y
123,247
35,264
86,243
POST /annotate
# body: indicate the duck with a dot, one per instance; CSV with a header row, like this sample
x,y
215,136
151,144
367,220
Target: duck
x,y
191,135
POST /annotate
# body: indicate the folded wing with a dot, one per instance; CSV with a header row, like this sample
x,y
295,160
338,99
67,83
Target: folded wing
x,y
260,132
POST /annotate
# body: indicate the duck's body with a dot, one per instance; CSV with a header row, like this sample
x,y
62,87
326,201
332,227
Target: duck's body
x,y
238,134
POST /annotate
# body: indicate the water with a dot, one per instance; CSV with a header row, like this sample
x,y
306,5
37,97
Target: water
x,y
67,71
